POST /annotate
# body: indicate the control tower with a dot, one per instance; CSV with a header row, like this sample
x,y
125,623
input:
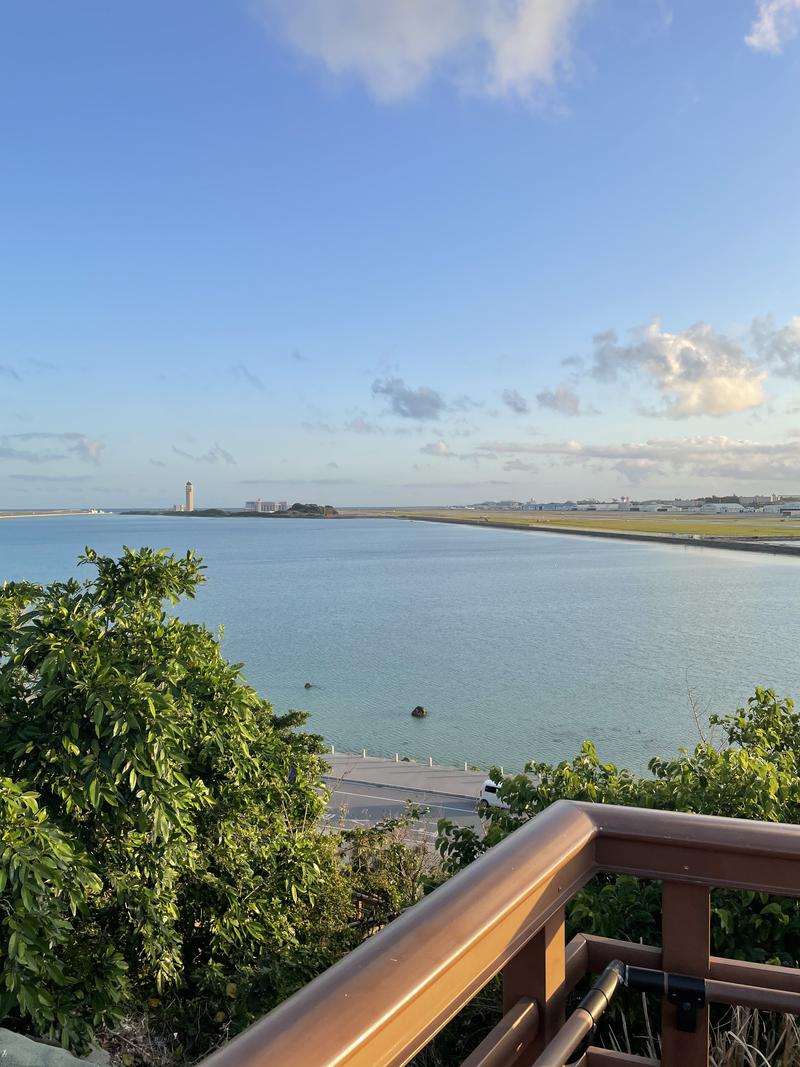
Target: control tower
x,y
189,496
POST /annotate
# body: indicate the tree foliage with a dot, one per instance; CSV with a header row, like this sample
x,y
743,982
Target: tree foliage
x,y
159,822
751,772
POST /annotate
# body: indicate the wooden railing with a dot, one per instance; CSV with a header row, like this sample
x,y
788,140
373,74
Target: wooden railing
x,y
505,914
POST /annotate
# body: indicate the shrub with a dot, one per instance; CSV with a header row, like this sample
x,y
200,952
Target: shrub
x,y
160,823
752,773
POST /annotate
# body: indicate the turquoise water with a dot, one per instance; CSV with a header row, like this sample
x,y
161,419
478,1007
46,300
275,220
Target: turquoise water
x,y
520,644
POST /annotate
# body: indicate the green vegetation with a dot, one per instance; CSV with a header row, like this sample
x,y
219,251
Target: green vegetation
x,y
308,511
160,825
752,772
296,511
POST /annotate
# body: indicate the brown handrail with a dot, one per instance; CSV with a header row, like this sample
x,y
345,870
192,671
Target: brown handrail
x,y
513,1033
388,998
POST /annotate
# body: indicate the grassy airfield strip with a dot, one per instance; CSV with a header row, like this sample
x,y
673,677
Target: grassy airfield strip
x,y
749,527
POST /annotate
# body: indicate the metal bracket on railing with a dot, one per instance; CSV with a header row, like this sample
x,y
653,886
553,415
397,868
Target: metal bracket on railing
x,y
576,1035
686,993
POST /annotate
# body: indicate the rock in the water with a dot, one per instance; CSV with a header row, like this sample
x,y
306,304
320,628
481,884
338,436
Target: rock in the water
x,y
419,712
308,685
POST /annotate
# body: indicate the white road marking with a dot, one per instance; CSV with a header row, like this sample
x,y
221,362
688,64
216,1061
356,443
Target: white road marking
x,y
363,824
400,800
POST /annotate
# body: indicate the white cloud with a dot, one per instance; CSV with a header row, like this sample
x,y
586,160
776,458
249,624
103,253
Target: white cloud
x,y
492,47
777,21
561,399
437,448
780,347
696,372
443,451
84,447
709,456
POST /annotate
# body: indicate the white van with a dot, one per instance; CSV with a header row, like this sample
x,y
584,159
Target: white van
x,y
489,797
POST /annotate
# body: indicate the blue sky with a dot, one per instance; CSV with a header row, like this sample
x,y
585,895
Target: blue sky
x,y
396,251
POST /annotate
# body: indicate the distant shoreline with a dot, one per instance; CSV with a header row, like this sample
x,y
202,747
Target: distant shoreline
x,y
306,511
43,514
695,541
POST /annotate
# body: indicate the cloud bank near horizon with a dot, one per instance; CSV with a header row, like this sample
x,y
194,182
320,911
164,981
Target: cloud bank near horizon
x,y
702,456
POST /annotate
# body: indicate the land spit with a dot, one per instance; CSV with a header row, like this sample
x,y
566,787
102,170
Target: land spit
x,y
43,514
689,540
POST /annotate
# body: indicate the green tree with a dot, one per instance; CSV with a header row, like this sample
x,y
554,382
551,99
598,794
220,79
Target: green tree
x,y
160,823
51,955
751,772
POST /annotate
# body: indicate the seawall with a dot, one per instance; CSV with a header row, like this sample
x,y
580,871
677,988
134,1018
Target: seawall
x,y
731,544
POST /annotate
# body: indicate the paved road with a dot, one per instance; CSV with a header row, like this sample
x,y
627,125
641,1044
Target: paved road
x,y
366,789
364,804
452,781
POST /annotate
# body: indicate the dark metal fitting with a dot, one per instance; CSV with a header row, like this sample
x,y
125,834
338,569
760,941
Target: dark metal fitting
x,y
688,995
644,980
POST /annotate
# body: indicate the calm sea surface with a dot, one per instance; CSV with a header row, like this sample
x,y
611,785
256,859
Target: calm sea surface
x,y
520,644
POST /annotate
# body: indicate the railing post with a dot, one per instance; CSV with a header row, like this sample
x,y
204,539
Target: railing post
x,y
537,971
686,949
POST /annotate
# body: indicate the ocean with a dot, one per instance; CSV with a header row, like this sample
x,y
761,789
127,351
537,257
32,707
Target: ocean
x,y
520,645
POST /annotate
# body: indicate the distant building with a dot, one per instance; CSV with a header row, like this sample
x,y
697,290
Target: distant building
x,y
177,507
784,507
189,497
263,506
721,507
281,506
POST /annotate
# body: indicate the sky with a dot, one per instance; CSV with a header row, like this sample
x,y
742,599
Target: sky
x,y
375,252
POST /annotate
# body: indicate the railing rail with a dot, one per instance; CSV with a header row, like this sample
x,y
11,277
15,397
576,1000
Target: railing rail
x,y
505,913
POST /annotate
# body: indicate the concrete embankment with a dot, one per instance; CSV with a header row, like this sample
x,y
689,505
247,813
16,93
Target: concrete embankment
x,y
405,777
691,541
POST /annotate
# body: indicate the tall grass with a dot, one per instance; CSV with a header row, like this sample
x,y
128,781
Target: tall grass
x,y
750,1038
743,1037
